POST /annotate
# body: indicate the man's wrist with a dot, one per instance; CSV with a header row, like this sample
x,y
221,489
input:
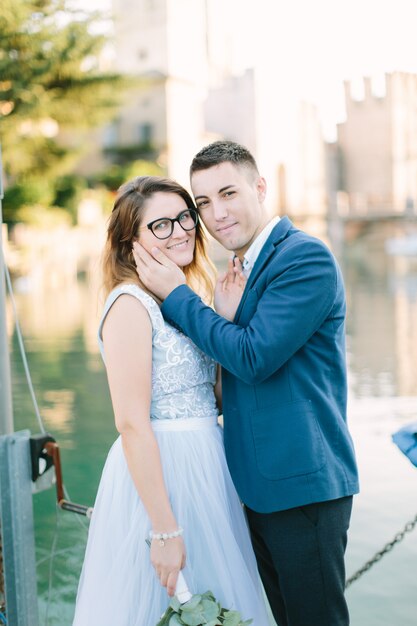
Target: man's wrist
x,y
171,297
170,290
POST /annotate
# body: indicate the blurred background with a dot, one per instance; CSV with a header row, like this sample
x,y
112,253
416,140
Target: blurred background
x,y
325,95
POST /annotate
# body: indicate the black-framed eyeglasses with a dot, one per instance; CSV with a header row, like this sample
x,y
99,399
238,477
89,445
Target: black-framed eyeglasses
x,y
163,227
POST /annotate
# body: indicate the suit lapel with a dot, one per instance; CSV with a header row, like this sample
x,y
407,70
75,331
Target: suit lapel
x,y
278,234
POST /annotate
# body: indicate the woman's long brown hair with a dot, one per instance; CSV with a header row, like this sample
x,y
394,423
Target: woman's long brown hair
x,y
123,229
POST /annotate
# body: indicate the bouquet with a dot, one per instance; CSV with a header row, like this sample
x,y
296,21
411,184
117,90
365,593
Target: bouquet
x,y
186,609
200,610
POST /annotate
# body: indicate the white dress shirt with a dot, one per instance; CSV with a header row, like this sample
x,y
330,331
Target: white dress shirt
x,y
256,246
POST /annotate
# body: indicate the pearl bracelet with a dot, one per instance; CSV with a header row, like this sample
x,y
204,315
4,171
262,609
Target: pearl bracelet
x,y
162,537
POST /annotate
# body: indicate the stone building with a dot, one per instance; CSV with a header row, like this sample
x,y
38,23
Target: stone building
x,y
193,89
189,95
167,108
378,148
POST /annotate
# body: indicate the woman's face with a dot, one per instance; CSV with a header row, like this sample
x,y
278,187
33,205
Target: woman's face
x,y
179,246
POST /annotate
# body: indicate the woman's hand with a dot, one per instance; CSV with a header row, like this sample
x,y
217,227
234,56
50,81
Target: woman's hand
x,y
168,560
229,289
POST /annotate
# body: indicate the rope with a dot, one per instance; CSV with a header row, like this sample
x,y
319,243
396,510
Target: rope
x,y
51,565
387,548
56,553
22,350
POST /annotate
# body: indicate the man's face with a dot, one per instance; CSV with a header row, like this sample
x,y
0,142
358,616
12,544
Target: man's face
x,y
230,202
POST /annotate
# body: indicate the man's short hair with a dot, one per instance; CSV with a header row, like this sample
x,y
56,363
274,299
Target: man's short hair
x,y
223,152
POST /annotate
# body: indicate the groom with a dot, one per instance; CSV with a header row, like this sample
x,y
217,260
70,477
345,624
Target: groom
x,y
284,385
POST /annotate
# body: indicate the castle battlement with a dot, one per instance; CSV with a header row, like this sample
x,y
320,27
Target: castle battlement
x,y
378,141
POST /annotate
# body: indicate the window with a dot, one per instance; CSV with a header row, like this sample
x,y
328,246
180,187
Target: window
x,y
145,133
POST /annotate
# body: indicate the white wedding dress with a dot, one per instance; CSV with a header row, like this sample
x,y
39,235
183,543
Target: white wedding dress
x,y
118,585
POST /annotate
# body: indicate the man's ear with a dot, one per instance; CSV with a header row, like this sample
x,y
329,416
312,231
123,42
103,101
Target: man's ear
x,y
261,188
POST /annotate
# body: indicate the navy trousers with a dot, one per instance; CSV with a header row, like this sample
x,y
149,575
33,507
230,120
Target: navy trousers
x,y
300,554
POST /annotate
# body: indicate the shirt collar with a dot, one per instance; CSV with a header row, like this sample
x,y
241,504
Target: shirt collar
x,y
256,246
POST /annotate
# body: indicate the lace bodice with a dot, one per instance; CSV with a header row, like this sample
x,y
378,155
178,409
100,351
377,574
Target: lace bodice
x,y
182,375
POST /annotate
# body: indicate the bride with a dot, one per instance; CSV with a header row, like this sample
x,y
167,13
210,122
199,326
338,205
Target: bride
x,y
165,477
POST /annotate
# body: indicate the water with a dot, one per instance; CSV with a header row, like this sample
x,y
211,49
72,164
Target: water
x,y
382,356
60,336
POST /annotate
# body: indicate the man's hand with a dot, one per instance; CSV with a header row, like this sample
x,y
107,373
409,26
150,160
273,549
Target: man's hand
x,y
229,289
158,273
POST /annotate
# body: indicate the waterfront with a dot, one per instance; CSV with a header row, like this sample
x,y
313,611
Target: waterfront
x,y
59,327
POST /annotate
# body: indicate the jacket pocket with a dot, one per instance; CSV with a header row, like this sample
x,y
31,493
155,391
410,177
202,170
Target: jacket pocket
x,y
288,441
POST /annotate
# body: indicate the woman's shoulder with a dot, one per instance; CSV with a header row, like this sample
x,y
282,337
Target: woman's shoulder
x,y
131,289
127,307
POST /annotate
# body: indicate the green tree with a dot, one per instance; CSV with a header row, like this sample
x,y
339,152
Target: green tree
x,y
50,84
117,174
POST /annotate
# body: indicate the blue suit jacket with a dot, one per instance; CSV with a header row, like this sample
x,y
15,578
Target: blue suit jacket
x,y
284,374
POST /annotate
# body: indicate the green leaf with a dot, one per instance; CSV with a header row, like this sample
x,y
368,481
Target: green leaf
x,y
193,618
191,604
232,618
210,609
175,620
175,604
209,595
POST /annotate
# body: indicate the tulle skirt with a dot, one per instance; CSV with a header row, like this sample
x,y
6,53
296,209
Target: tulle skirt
x,y
118,585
